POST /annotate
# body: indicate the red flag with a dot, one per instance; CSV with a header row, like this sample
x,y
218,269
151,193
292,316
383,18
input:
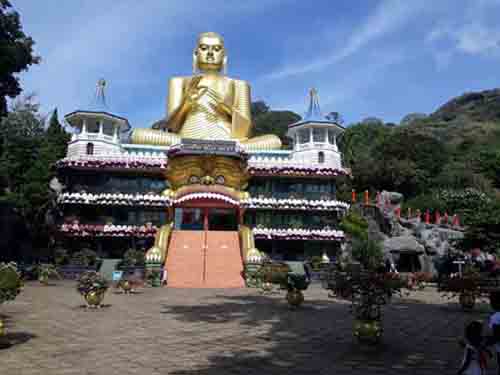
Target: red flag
x,y
437,217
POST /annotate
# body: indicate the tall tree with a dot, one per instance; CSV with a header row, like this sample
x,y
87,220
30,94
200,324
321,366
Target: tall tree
x,y
267,121
26,164
56,137
16,54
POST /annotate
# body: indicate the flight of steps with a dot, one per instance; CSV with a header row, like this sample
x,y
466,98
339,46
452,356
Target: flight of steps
x,y
190,266
224,265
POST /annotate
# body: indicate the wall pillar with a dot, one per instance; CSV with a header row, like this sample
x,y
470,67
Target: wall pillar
x,y
101,127
115,132
84,127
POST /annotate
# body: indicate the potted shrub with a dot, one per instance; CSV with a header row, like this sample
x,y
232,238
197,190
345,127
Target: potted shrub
x,y
132,260
296,284
128,283
92,286
370,292
289,276
125,285
45,272
10,287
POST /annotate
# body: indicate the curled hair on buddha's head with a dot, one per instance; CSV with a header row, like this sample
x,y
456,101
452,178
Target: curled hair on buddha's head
x,y
210,34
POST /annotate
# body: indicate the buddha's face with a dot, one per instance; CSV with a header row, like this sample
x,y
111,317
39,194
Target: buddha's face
x,y
210,53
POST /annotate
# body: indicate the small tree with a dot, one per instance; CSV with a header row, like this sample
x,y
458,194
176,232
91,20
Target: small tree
x,y
367,252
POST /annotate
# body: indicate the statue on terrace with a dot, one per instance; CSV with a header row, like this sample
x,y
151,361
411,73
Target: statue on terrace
x,y
208,105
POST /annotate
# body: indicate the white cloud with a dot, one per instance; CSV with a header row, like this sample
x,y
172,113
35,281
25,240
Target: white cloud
x,y
388,16
471,31
472,39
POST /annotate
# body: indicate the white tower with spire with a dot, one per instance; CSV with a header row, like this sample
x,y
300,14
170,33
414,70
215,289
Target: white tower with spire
x,y
97,130
315,137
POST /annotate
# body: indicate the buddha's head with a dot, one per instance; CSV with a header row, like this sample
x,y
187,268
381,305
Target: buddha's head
x,y
209,55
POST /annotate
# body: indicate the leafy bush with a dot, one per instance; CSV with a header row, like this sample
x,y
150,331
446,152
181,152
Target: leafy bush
x,y
10,282
85,258
61,256
354,225
91,281
316,262
132,258
367,252
483,229
424,202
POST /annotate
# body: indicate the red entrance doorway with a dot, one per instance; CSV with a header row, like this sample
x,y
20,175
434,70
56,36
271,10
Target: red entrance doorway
x,y
204,251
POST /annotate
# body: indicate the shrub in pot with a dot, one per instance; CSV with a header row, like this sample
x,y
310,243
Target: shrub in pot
x,y
45,272
92,286
85,258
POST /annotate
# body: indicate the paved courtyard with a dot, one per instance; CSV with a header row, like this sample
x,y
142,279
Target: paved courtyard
x,y
182,331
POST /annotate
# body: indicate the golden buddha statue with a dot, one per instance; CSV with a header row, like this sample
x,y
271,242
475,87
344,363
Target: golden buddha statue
x,y
208,105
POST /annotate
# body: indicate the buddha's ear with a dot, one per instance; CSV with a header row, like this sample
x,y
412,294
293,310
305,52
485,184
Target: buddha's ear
x,y
195,62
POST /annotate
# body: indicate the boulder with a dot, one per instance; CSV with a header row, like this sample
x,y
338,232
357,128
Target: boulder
x,y
437,240
393,197
402,244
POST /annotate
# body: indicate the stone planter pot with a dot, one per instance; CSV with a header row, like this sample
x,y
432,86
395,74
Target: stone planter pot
x,y
126,286
4,342
467,300
295,297
94,298
368,331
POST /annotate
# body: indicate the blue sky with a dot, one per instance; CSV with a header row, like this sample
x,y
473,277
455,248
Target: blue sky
x,y
382,58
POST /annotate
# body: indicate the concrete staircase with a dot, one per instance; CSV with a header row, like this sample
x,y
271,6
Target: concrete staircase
x,y
198,259
224,265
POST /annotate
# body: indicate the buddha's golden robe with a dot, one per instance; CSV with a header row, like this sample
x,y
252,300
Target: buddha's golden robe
x,y
205,119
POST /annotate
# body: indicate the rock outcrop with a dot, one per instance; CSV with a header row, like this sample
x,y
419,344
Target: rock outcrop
x,y
407,242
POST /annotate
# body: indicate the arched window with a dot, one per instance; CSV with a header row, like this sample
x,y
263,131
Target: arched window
x,y
321,157
90,149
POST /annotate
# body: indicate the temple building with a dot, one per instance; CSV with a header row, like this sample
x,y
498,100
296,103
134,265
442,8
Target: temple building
x,y
202,203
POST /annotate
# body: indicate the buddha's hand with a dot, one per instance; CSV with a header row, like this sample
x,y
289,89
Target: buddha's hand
x,y
193,91
219,104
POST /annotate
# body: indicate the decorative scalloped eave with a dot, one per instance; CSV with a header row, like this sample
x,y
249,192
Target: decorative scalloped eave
x,y
114,162
207,195
120,199
108,230
291,203
298,234
295,171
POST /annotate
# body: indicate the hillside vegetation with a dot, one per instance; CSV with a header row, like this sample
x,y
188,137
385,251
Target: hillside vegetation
x,y
456,147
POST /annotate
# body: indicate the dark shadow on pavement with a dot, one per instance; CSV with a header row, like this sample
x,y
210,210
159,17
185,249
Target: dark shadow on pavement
x,y
317,338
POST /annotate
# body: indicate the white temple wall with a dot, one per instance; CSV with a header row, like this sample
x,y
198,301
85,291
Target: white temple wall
x,y
100,148
332,159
